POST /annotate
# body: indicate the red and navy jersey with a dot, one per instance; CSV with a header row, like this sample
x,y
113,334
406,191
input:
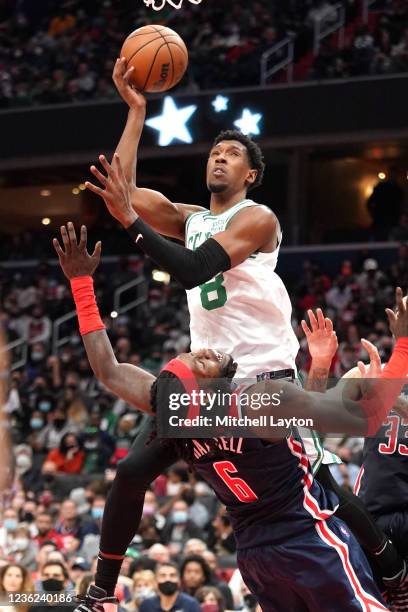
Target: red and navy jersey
x,y
267,487
383,480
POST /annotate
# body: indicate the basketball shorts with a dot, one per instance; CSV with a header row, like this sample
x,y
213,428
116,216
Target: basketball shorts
x,y
321,569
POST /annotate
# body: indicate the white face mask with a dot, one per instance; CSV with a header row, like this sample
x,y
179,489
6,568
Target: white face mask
x,y
144,593
23,461
21,543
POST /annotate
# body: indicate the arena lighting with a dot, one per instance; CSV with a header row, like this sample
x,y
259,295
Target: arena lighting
x,y
75,191
171,124
46,221
220,103
114,314
382,176
248,123
161,277
82,187
45,193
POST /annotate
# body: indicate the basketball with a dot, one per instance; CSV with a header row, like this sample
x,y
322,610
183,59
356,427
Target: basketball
x,y
159,57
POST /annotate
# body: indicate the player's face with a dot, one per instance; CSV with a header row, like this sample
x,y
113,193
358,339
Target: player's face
x,y
228,166
206,363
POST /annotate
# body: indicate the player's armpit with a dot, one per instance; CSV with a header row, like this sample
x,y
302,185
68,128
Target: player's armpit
x,y
160,213
252,229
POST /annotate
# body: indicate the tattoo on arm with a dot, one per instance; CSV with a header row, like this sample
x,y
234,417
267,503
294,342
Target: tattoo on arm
x,y
317,379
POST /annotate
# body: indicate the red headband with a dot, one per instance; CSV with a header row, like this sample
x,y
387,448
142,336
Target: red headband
x,y
187,377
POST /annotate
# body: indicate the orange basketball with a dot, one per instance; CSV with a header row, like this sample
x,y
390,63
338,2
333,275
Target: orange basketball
x,y
159,56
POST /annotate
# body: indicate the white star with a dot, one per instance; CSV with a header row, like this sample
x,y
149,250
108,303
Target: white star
x,y
172,122
220,103
248,124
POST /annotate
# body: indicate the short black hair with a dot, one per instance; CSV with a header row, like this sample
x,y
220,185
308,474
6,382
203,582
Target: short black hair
x,y
254,151
59,564
168,564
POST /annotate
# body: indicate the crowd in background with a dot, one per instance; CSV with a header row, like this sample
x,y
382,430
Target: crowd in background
x,y
378,48
56,52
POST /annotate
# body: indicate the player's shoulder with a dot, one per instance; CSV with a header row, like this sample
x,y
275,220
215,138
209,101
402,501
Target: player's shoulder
x,y
187,210
254,213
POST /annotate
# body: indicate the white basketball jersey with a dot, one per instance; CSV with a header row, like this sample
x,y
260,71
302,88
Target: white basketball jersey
x,y
245,311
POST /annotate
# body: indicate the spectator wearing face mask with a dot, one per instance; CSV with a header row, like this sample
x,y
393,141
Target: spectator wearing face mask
x,y
24,549
170,598
196,573
179,528
57,426
144,586
14,578
69,457
211,600
7,531
55,579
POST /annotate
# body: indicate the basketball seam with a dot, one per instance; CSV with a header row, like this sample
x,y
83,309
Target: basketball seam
x,y
136,33
151,66
142,47
171,55
178,47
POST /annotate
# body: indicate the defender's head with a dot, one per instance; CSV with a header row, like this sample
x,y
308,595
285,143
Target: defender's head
x,y
206,369
235,162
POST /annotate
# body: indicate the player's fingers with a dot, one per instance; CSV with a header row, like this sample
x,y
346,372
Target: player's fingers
x,y
329,324
58,248
312,319
109,170
72,234
119,167
101,177
95,189
83,239
392,317
362,368
128,74
306,329
399,298
97,250
320,318
65,240
373,353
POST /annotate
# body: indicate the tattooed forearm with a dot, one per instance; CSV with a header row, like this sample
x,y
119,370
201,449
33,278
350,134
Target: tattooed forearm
x,y
317,379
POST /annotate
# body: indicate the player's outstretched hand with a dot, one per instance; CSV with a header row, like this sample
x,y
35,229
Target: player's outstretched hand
x,y
121,77
321,338
116,192
398,319
74,257
373,369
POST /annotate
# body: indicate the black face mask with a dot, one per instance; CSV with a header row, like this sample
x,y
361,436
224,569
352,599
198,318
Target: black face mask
x,y
52,584
27,517
59,423
167,587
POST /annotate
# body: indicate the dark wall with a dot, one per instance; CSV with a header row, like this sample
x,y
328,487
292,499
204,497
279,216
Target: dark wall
x,y
302,110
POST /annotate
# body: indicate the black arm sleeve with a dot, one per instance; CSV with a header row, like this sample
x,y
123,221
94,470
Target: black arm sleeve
x,y
190,268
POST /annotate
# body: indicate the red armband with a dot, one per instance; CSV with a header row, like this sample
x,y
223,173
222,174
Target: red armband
x,y
387,388
87,309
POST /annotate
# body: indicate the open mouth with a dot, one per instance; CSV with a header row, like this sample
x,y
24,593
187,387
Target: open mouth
x,y
219,172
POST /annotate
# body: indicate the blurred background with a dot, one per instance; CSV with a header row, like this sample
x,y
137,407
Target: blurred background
x,y
322,86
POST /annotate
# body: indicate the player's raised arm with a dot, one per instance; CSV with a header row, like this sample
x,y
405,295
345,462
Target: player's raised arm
x,y
251,230
125,380
322,344
153,207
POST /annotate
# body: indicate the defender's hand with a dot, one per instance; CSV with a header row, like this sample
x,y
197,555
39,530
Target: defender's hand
x,y
121,77
75,259
321,338
398,319
116,192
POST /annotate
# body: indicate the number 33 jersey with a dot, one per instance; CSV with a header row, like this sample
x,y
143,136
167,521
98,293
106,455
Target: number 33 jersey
x,y
245,311
382,482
